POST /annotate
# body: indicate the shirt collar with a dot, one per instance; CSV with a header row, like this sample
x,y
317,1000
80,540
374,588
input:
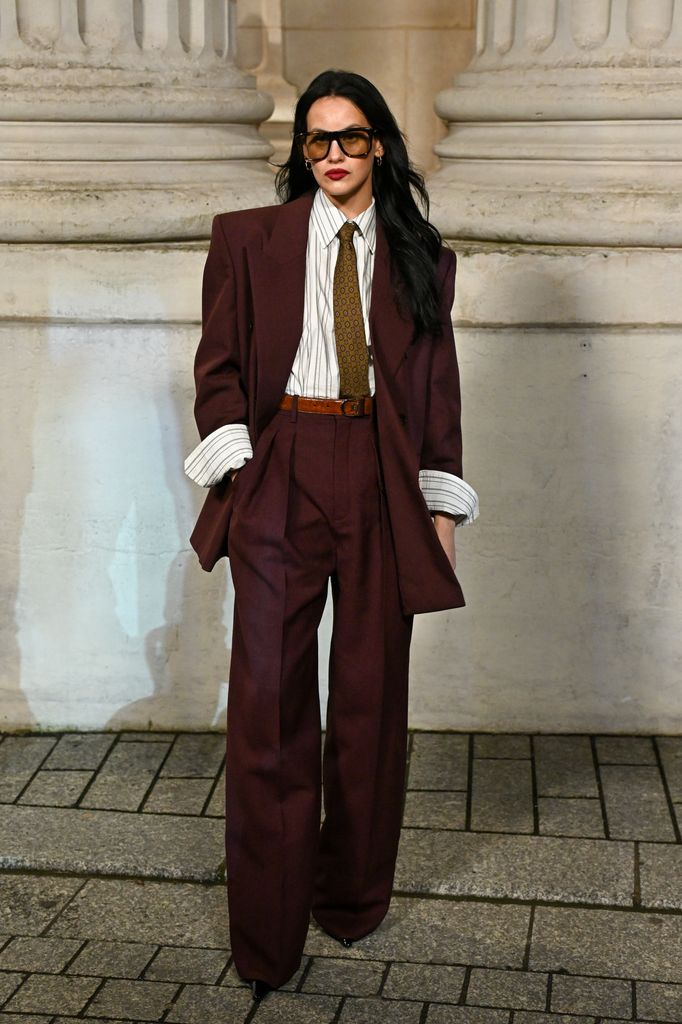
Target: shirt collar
x,y
328,219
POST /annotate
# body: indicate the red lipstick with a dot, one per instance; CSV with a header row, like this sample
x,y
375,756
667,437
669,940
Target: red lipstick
x,y
336,175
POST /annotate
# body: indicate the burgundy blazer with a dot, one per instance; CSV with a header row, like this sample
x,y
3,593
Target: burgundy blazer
x,y
252,316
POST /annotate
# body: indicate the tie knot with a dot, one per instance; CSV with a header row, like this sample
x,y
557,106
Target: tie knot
x,y
346,232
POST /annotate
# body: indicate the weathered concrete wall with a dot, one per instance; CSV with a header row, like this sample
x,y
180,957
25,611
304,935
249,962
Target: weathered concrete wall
x,y
572,437
573,573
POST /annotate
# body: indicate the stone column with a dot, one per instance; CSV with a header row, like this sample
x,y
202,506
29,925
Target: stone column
x,y
565,126
261,26
125,120
560,191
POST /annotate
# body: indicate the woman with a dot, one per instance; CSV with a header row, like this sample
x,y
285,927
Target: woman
x,y
328,407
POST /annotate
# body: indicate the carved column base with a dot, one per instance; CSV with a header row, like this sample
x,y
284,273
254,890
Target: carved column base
x,y
73,181
566,127
573,182
125,122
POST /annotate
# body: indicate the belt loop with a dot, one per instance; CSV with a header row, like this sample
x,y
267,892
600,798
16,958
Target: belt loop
x,y
293,415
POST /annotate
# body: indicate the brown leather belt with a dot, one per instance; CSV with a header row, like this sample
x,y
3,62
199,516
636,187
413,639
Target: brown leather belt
x,y
336,406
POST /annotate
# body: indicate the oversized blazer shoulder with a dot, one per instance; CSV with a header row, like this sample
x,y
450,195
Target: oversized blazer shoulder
x,y
252,320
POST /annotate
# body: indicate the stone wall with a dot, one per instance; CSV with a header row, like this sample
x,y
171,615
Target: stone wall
x,y
408,48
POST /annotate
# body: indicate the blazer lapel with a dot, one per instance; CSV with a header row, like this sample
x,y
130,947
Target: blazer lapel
x,y
278,281
391,330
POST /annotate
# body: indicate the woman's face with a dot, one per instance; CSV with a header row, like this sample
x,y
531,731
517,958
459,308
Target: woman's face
x,y
346,180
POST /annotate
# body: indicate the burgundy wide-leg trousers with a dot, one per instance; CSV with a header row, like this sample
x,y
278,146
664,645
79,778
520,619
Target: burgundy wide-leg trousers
x,y
310,507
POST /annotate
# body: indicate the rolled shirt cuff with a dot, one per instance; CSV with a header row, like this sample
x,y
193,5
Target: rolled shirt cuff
x,y
228,447
445,492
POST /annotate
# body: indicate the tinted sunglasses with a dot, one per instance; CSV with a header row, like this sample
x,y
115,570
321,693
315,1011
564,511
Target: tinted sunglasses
x,y
353,142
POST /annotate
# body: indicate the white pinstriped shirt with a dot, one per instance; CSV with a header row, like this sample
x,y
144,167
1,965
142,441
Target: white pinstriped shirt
x,y
315,370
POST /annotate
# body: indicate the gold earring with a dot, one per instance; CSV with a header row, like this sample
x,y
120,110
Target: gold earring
x,y
308,165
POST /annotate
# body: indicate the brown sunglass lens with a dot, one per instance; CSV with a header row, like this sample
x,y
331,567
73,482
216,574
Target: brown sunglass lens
x,y
355,143
352,143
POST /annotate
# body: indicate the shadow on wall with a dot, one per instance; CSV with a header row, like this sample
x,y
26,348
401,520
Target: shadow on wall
x,y
186,653
25,361
556,443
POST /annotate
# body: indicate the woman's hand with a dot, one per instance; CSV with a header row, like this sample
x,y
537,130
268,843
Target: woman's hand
x,y
445,528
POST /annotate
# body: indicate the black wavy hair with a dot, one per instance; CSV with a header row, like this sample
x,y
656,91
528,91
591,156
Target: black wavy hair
x,y
414,243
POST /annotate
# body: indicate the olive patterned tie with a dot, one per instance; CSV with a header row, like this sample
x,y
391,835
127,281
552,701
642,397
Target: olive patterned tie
x,y
349,326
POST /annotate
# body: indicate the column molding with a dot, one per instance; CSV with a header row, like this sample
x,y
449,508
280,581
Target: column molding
x,y
567,125
128,121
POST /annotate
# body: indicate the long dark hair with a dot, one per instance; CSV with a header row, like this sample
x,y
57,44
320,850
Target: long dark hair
x,y
414,243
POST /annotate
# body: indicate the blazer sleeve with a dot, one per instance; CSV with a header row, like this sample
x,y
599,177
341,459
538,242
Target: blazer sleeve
x,y
442,442
440,472
220,392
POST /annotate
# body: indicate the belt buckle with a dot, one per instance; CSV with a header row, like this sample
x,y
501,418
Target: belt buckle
x,y
356,404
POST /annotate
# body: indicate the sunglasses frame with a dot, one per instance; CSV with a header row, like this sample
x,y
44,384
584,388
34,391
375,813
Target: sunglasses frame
x,y
336,137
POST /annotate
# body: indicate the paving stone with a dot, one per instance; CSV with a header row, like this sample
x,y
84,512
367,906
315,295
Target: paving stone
x,y
22,1018
8,984
532,1017
182,914
571,816
501,745
659,1002
611,943
104,842
660,868
438,932
625,750
20,757
189,965
376,1011
564,766
91,1020
670,749
439,760
502,796
466,1015
287,1008
198,1004
330,976
27,953
29,904
436,982
196,754
56,789
52,993
677,810
113,959
515,867
178,796
233,979
123,781
216,807
597,996
636,806
519,990
80,750
140,1000
148,737
434,810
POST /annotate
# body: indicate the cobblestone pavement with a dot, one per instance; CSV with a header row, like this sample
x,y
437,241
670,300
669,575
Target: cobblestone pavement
x,y
539,881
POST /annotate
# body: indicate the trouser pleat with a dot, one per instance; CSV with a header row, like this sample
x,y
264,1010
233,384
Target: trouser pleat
x,y
312,510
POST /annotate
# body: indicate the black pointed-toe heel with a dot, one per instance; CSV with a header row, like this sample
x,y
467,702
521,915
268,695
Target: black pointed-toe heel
x,y
259,989
346,942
